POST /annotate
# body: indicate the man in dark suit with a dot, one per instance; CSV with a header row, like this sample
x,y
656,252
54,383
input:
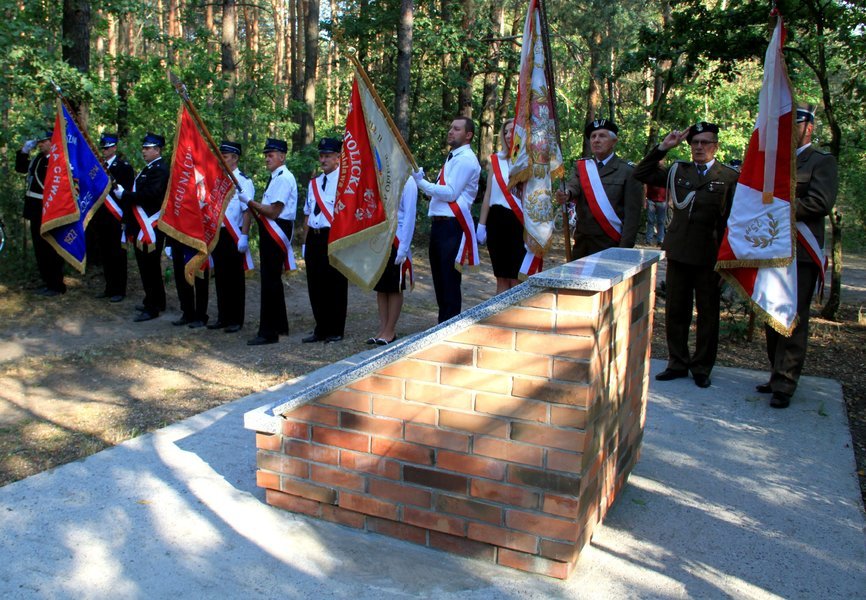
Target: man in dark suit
x,y
701,191
141,208
107,222
50,263
607,197
817,184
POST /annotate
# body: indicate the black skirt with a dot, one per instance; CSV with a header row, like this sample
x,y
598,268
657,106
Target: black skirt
x,y
389,282
505,242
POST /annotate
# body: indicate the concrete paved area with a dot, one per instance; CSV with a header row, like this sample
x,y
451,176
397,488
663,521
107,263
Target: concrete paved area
x,y
730,499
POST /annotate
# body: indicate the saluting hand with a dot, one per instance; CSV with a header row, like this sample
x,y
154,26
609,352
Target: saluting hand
x,y
673,139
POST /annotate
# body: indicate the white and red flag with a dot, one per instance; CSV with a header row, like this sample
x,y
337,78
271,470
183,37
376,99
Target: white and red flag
x,y
374,167
199,190
536,157
758,251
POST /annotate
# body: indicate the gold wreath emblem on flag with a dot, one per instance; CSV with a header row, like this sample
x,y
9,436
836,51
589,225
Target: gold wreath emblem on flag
x,y
760,235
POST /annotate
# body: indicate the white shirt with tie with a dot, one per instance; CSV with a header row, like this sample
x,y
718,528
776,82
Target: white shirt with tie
x,y
461,171
328,192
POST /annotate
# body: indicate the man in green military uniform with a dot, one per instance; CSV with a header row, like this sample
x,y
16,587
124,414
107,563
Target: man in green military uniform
x,y
607,197
701,191
817,184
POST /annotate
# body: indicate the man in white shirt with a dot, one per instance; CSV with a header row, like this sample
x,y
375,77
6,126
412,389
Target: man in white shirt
x,y
327,287
452,228
276,217
232,247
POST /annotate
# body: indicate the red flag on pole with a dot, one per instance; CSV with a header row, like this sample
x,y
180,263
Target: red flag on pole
x,y
59,200
757,253
198,192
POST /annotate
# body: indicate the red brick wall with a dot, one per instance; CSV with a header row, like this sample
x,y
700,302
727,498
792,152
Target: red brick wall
x,y
507,441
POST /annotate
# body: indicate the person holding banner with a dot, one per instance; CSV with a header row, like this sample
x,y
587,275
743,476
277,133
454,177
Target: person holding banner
x,y
389,288
500,209
276,217
327,287
607,197
107,222
817,185
193,297
701,191
141,209
452,232
231,255
49,262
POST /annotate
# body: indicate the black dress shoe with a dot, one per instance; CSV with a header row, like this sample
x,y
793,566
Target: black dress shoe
x,y
232,328
145,316
371,341
48,293
181,321
261,341
312,338
101,295
669,374
780,400
140,307
116,298
216,325
764,388
702,381
196,324
333,338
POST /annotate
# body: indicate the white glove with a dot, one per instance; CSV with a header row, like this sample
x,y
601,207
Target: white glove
x,y
481,233
168,251
243,198
303,251
418,175
119,191
402,255
28,146
243,243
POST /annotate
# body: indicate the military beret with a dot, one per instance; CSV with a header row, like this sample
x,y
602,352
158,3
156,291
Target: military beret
x,y
805,115
107,140
152,140
330,145
702,127
272,145
600,124
227,147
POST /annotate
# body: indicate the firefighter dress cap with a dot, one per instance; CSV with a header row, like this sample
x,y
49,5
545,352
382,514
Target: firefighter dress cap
x,y
107,140
327,145
152,140
227,147
272,145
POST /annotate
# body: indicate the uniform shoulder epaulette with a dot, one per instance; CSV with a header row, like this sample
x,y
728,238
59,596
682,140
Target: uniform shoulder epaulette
x,y
819,151
242,174
729,167
683,162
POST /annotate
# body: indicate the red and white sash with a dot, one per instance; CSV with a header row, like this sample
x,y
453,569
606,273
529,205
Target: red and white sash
x,y
813,249
467,254
596,197
113,207
280,238
235,233
146,226
321,203
531,264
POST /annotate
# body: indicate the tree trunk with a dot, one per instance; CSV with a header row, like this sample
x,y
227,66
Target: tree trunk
x,y
467,62
311,63
593,92
76,46
488,125
404,65
832,306
228,62
506,103
447,93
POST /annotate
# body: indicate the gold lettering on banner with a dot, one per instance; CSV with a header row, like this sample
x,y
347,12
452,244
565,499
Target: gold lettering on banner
x,y
183,180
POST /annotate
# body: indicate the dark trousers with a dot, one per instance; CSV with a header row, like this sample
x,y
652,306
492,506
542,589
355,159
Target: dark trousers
x,y
150,269
111,252
445,236
49,263
193,298
585,245
688,286
788,354
327,287
229,280
273,319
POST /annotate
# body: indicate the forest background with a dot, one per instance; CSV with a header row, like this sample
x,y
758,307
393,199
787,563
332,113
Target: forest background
x,y
279,68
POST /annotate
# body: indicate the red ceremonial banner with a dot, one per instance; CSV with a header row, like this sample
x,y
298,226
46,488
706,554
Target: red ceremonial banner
x,y
198,192
359,205
60,198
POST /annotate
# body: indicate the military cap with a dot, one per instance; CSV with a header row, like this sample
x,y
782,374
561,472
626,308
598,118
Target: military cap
x,y
701,127
272,145
45,135
600,124
330,145
152,140
227,147
805,115
107,140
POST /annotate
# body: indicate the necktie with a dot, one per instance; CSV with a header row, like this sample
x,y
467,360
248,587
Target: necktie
x,y
316,209
450,156
702,169
599,164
